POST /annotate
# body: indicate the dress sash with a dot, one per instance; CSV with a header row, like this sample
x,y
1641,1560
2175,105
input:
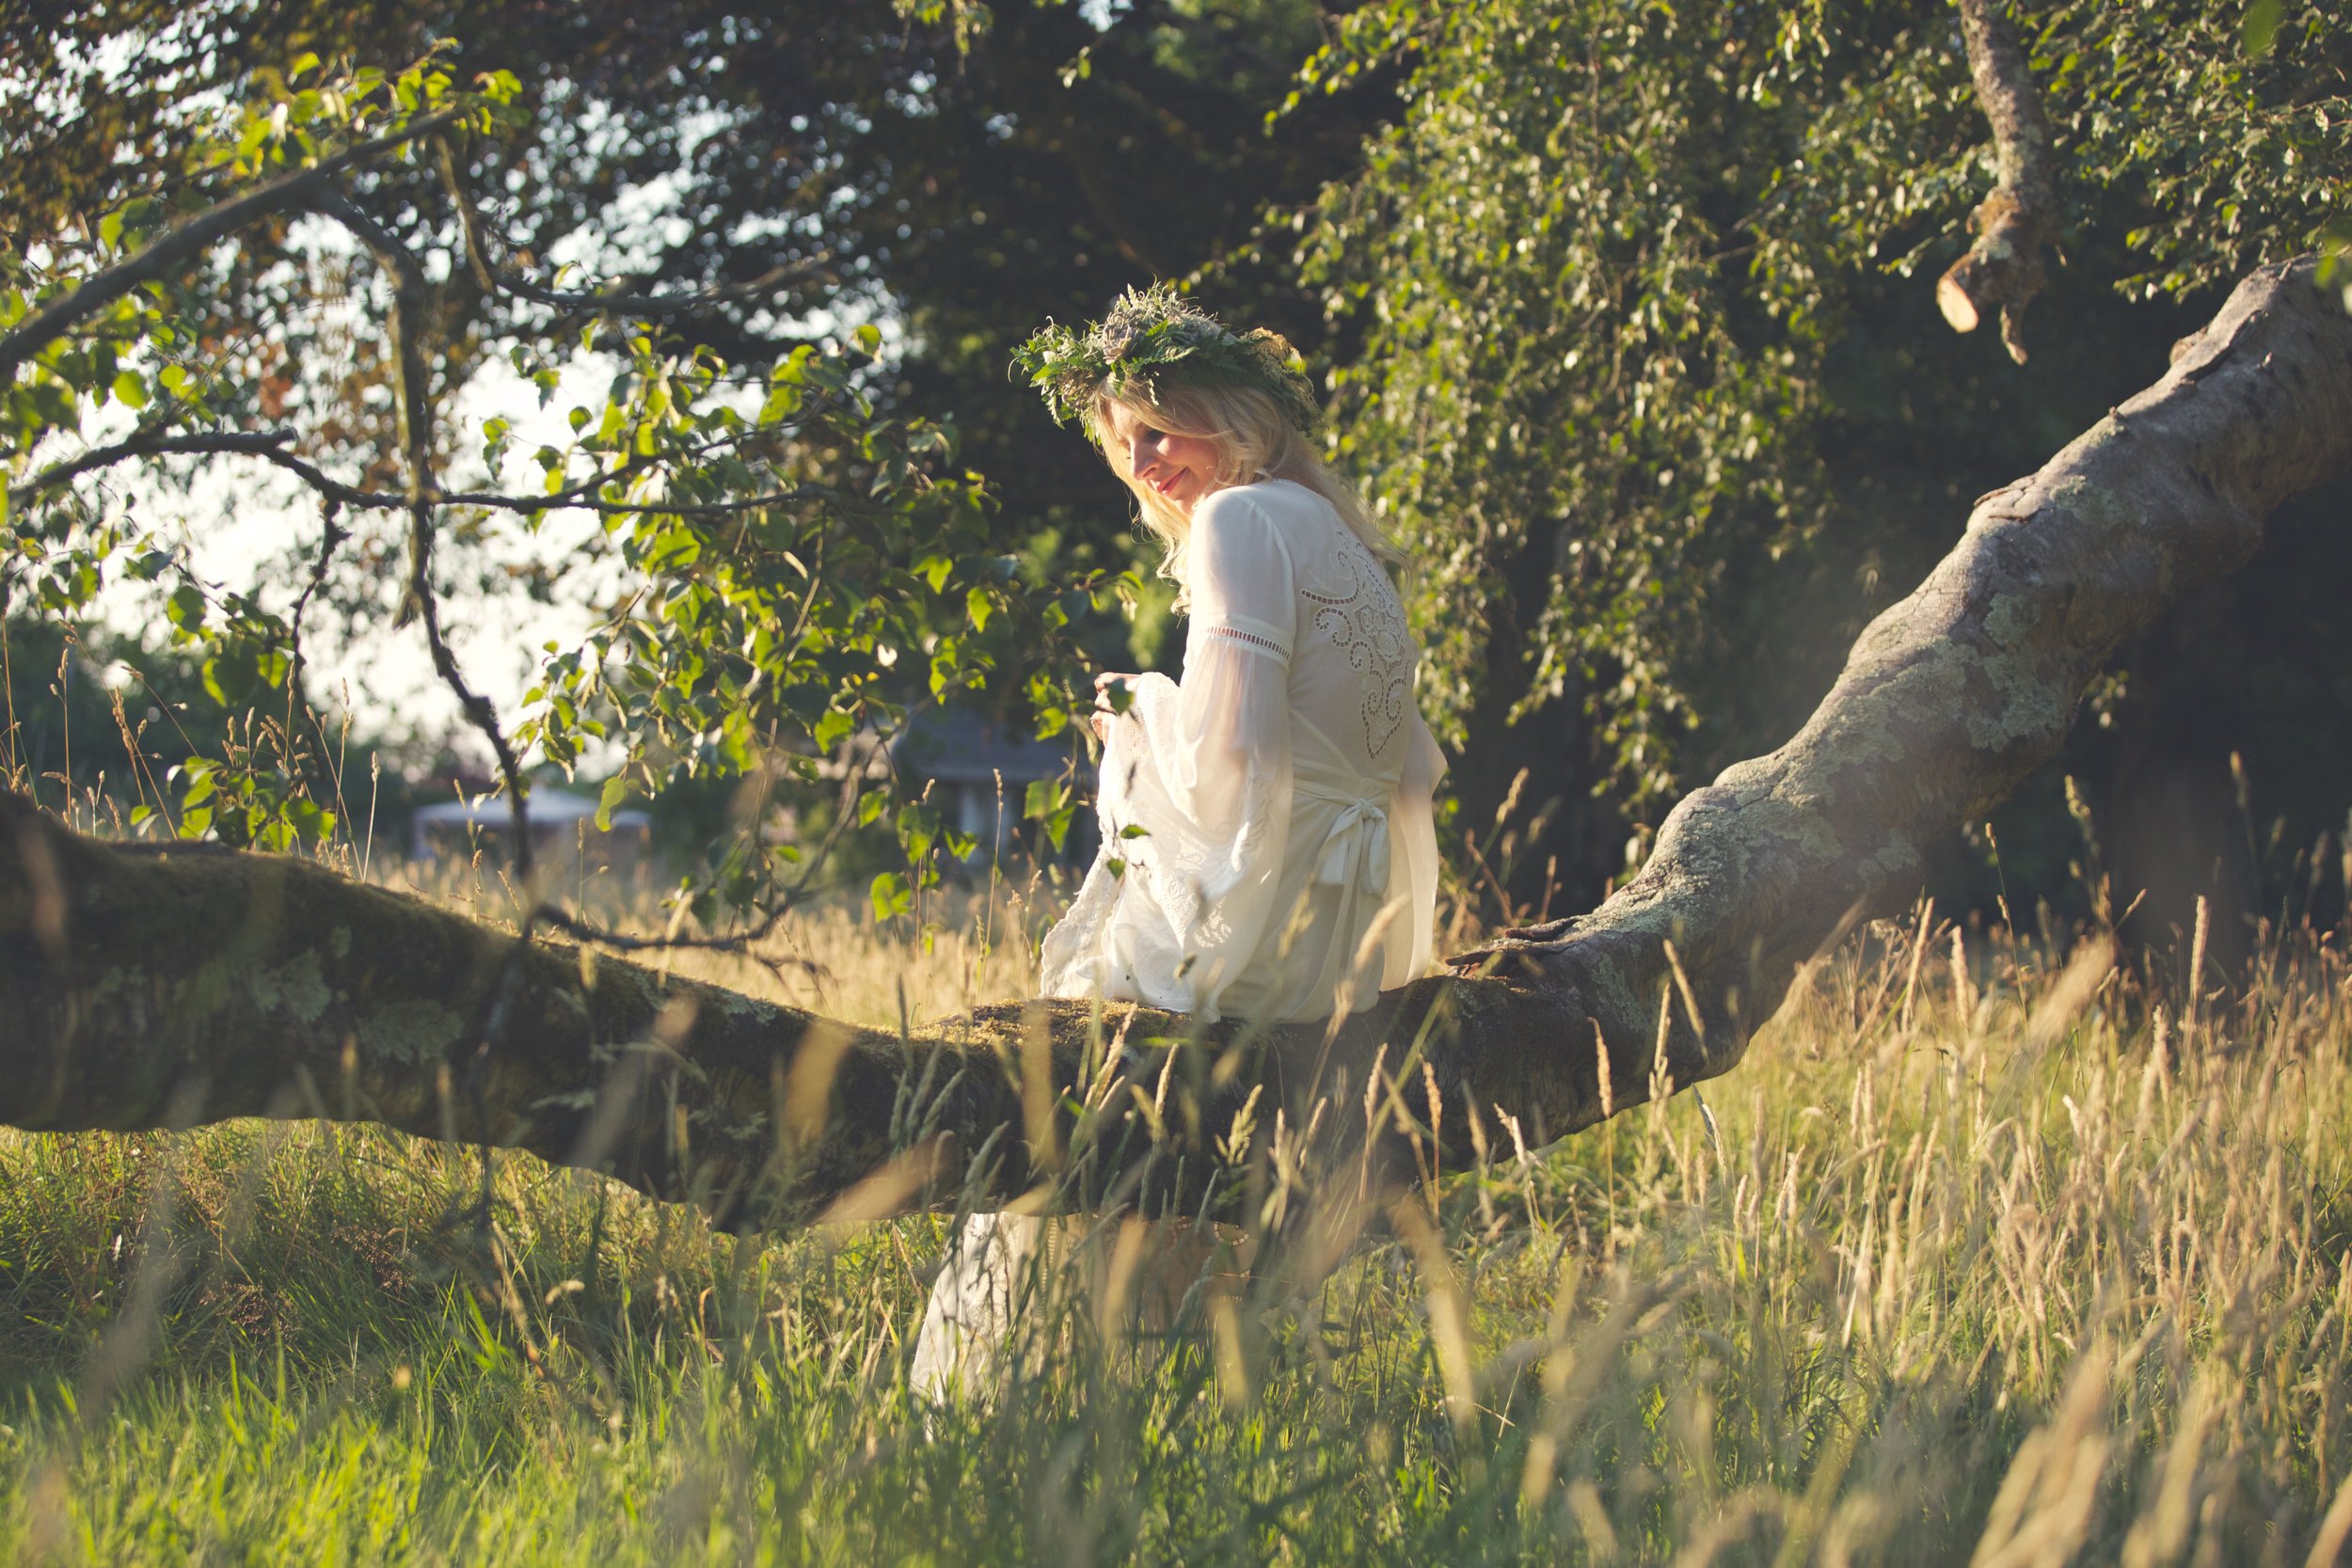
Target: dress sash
x,y
1356,846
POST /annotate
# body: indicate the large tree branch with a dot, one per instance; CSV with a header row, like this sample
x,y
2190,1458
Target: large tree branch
x,y
2002,269
164,988
177,985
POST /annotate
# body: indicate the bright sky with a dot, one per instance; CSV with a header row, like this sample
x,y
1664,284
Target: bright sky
x,y
239,518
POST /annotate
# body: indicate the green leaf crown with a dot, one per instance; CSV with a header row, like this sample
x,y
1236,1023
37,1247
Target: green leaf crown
x,y
1153,334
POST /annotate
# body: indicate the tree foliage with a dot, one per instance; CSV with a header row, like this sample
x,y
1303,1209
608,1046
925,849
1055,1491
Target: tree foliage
x,y
790,564
1627,311
797,164
1644,354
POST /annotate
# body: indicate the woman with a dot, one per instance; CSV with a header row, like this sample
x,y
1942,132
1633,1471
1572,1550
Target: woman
x,y
1268,851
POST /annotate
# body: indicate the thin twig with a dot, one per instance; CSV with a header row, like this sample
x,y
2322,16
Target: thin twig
x,y
332,534
740,944
493,281
414,405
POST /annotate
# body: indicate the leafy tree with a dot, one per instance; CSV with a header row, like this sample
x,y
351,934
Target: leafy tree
x,y
798,561
1649,378
791,164
794,566
119,1010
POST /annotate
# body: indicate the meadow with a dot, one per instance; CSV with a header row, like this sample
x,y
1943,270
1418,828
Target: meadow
x,y
1996,1251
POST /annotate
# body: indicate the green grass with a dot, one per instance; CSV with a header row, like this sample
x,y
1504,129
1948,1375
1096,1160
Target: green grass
x,y
1995,1260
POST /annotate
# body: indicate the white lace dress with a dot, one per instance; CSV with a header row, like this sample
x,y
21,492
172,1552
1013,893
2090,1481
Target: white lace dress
x,y
1286,862
1267,850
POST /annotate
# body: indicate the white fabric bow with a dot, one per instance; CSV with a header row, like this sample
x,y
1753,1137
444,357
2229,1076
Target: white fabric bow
x,y
1361,828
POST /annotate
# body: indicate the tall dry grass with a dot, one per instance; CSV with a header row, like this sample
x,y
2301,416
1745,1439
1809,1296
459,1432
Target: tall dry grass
x,y
1990,1254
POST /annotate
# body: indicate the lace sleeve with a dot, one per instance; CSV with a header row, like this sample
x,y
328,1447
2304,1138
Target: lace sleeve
x,y
1202,767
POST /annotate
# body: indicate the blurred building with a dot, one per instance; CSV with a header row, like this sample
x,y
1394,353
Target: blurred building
x,y
564,837
976,771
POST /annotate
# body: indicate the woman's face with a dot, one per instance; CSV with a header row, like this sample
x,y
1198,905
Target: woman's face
x,y
1184,469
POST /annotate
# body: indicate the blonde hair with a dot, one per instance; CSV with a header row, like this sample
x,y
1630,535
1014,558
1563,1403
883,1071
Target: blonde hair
x,y
1255,440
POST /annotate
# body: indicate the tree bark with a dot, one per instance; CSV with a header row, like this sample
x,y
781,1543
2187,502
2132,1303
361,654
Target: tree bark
x,y
149,988
2002,268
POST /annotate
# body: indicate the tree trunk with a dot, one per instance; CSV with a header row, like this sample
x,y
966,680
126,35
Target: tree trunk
x,y
165,987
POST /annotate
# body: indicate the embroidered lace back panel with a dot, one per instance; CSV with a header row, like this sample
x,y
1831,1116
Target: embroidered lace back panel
x,y
1360,615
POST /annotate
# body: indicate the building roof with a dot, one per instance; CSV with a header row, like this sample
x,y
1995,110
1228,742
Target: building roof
x,y
957,746
548,808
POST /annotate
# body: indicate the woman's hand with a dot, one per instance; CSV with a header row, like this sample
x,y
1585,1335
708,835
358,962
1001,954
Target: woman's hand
x,y
1105,685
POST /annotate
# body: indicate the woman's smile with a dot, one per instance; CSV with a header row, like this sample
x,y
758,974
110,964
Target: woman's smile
x,y
1180,468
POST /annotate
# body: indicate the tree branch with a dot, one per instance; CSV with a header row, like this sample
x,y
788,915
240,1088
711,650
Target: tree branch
x,y
271,447
2014,224
142,988
181,241
414,401
492,281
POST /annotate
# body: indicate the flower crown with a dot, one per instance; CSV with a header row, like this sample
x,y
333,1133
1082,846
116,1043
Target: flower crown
x,y
1154,333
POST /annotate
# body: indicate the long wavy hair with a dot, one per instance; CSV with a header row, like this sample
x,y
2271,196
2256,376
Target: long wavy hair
x,y
1254,440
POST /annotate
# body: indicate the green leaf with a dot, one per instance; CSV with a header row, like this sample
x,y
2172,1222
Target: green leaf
x,y
230,675
616,790
919,825
1043,798
891,896
184,609
2260,28
830,726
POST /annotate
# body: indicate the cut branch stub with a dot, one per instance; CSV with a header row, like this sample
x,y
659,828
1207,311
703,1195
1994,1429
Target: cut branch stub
x,y
166,986
2003,268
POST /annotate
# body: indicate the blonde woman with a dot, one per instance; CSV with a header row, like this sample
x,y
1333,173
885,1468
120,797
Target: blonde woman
x,y
1267,847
